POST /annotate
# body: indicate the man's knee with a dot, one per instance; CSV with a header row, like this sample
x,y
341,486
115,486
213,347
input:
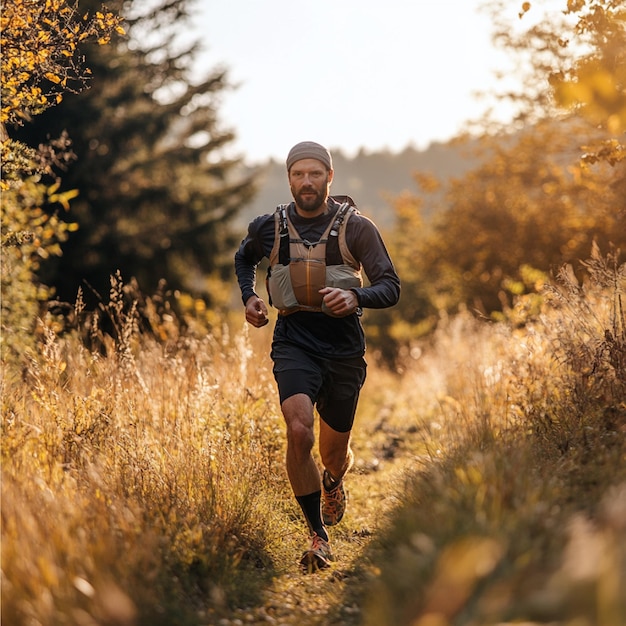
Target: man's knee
x,y
298,414
300,437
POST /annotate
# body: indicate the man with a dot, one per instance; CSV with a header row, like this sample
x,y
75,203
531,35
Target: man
x,y
317,246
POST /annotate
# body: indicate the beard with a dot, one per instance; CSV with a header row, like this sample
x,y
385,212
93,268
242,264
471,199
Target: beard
x,y
310,203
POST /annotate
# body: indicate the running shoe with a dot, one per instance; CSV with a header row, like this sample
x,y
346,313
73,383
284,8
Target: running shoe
x,y
318,556
333,501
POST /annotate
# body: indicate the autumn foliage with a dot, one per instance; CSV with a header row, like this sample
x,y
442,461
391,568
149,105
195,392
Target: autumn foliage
x,y
40,62
141,479
543,191
40,53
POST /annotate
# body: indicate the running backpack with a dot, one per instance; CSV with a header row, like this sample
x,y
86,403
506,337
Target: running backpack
x,y
299,269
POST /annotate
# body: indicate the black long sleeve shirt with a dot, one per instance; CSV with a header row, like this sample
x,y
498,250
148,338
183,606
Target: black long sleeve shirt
x,y
317,332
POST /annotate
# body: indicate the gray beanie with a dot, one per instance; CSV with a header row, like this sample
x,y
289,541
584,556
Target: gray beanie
x,y
309,150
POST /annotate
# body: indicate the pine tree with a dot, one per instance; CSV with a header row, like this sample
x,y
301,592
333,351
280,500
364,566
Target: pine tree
x,y
40,63
156,192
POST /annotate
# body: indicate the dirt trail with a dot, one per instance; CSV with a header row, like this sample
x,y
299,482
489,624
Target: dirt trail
x,y
326,598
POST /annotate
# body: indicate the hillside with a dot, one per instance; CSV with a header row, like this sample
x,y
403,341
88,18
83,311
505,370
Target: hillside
x,y
369,178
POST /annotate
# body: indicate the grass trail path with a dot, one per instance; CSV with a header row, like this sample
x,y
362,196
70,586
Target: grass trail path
x,y
384,455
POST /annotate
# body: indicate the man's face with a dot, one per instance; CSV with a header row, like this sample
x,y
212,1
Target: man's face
x,y
309,181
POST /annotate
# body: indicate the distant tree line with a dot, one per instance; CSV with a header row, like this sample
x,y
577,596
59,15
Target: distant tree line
x,y
372,179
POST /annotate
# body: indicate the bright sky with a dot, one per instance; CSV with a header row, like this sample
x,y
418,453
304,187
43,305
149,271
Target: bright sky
x,y
349,74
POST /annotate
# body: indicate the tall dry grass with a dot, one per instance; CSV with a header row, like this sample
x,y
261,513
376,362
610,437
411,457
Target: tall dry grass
x,y
143,481
135,485
518,512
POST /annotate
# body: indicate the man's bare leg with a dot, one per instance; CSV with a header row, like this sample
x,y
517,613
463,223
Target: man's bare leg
x,y
305,478
335,451
302,470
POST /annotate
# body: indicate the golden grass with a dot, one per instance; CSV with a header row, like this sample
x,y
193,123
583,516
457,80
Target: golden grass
x,y
127,485
518,515
148,486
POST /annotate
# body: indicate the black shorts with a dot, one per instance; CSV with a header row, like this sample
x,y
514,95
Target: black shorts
x,y
332,384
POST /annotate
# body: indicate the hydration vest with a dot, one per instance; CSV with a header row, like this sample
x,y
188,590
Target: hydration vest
x,y
299,269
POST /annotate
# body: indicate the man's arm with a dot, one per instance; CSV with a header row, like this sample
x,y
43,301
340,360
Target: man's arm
x,y
249,254
246,276
365,242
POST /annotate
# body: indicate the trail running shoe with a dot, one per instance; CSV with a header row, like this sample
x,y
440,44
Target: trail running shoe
x,y
318,556
333,501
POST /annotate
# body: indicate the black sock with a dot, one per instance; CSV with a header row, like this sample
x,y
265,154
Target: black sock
x,y
311,507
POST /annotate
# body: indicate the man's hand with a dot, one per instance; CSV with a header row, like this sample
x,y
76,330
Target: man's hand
x,y
340,302
256,312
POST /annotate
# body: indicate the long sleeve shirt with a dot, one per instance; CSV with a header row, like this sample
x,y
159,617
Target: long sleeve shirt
x,y
313,331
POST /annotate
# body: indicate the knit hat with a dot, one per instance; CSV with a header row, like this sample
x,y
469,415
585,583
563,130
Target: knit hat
x,y
309,150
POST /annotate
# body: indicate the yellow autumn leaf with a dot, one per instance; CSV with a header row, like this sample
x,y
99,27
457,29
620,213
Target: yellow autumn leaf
x,y
64,198
54,188
525,9
53,78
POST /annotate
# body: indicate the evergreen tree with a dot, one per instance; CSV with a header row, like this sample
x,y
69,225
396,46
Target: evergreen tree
x,y
156,192
40,63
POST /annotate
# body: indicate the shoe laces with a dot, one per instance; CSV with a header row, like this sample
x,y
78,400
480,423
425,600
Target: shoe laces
x,y
318,543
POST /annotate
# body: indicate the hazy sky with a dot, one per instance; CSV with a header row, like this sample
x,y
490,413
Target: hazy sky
x,y
348,73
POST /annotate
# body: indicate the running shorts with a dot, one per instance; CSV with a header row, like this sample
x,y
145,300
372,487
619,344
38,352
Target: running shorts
x,y
332,384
